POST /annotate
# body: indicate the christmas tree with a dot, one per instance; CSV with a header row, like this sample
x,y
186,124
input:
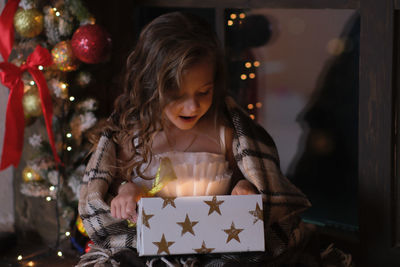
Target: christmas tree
x,y
46,63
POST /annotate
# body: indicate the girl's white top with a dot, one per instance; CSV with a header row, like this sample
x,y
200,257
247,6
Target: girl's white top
x,y
198,173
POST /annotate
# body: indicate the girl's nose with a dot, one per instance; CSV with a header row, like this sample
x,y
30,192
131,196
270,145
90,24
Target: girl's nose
x,y
191,104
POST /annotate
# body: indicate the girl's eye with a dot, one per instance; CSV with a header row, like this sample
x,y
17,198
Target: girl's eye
x,y
205,92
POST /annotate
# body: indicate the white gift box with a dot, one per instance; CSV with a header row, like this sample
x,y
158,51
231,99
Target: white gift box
x,y
200,224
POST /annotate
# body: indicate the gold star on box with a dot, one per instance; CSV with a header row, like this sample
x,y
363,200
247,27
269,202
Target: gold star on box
x,y
214,205
257,213
163,245
187,225
146,218
168,200
233,233
203,249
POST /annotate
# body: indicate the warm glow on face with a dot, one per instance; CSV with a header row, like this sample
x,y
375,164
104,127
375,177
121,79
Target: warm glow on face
x,y
196,96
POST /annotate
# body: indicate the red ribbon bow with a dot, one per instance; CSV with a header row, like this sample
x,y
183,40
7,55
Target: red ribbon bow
x,y
10,76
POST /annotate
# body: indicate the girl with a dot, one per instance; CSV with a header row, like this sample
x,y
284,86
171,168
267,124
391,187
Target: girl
x,y
174,106
178,113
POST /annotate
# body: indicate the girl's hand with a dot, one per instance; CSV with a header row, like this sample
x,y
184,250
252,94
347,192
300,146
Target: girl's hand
x,y
123,206
243,187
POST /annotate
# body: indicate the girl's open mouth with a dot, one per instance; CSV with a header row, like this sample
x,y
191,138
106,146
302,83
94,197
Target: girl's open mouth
x,y
188,118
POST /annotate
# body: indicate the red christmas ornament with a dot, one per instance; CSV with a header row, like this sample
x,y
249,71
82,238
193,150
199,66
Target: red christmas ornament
x,y
87,247
91,44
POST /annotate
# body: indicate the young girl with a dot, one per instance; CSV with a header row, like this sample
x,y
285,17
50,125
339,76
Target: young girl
x,y
174,107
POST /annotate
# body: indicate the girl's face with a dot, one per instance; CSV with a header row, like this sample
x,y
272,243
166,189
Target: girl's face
x,y
195,96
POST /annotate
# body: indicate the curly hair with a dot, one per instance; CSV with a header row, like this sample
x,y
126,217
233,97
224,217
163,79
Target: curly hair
x,y
167,46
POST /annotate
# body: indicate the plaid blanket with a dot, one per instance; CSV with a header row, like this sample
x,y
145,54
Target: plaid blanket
x,y
257,158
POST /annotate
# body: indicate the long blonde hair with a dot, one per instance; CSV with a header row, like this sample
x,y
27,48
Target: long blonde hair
x,y
167,46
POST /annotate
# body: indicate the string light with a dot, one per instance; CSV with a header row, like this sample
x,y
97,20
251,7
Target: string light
x,y
31,263
250,106
258,104
40,67
69,148
32,83
67,233
63,85
59,253
68,135
48,198
51,188
252,116
247,65
243,76
256,63
242,15
233,16
29,175
71,98
19,257
58,13
252,75
230,22
54,9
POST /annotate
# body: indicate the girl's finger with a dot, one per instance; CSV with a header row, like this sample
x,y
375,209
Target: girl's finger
x,y
134,217
118,211
112,207
123,210
131,208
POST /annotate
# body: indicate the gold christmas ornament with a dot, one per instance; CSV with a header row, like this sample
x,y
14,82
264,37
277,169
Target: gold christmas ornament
x,y
30,175
63,57
28,22
31,102
80,226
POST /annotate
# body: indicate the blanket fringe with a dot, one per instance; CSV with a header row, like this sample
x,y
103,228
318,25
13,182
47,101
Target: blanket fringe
x,y
100,257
